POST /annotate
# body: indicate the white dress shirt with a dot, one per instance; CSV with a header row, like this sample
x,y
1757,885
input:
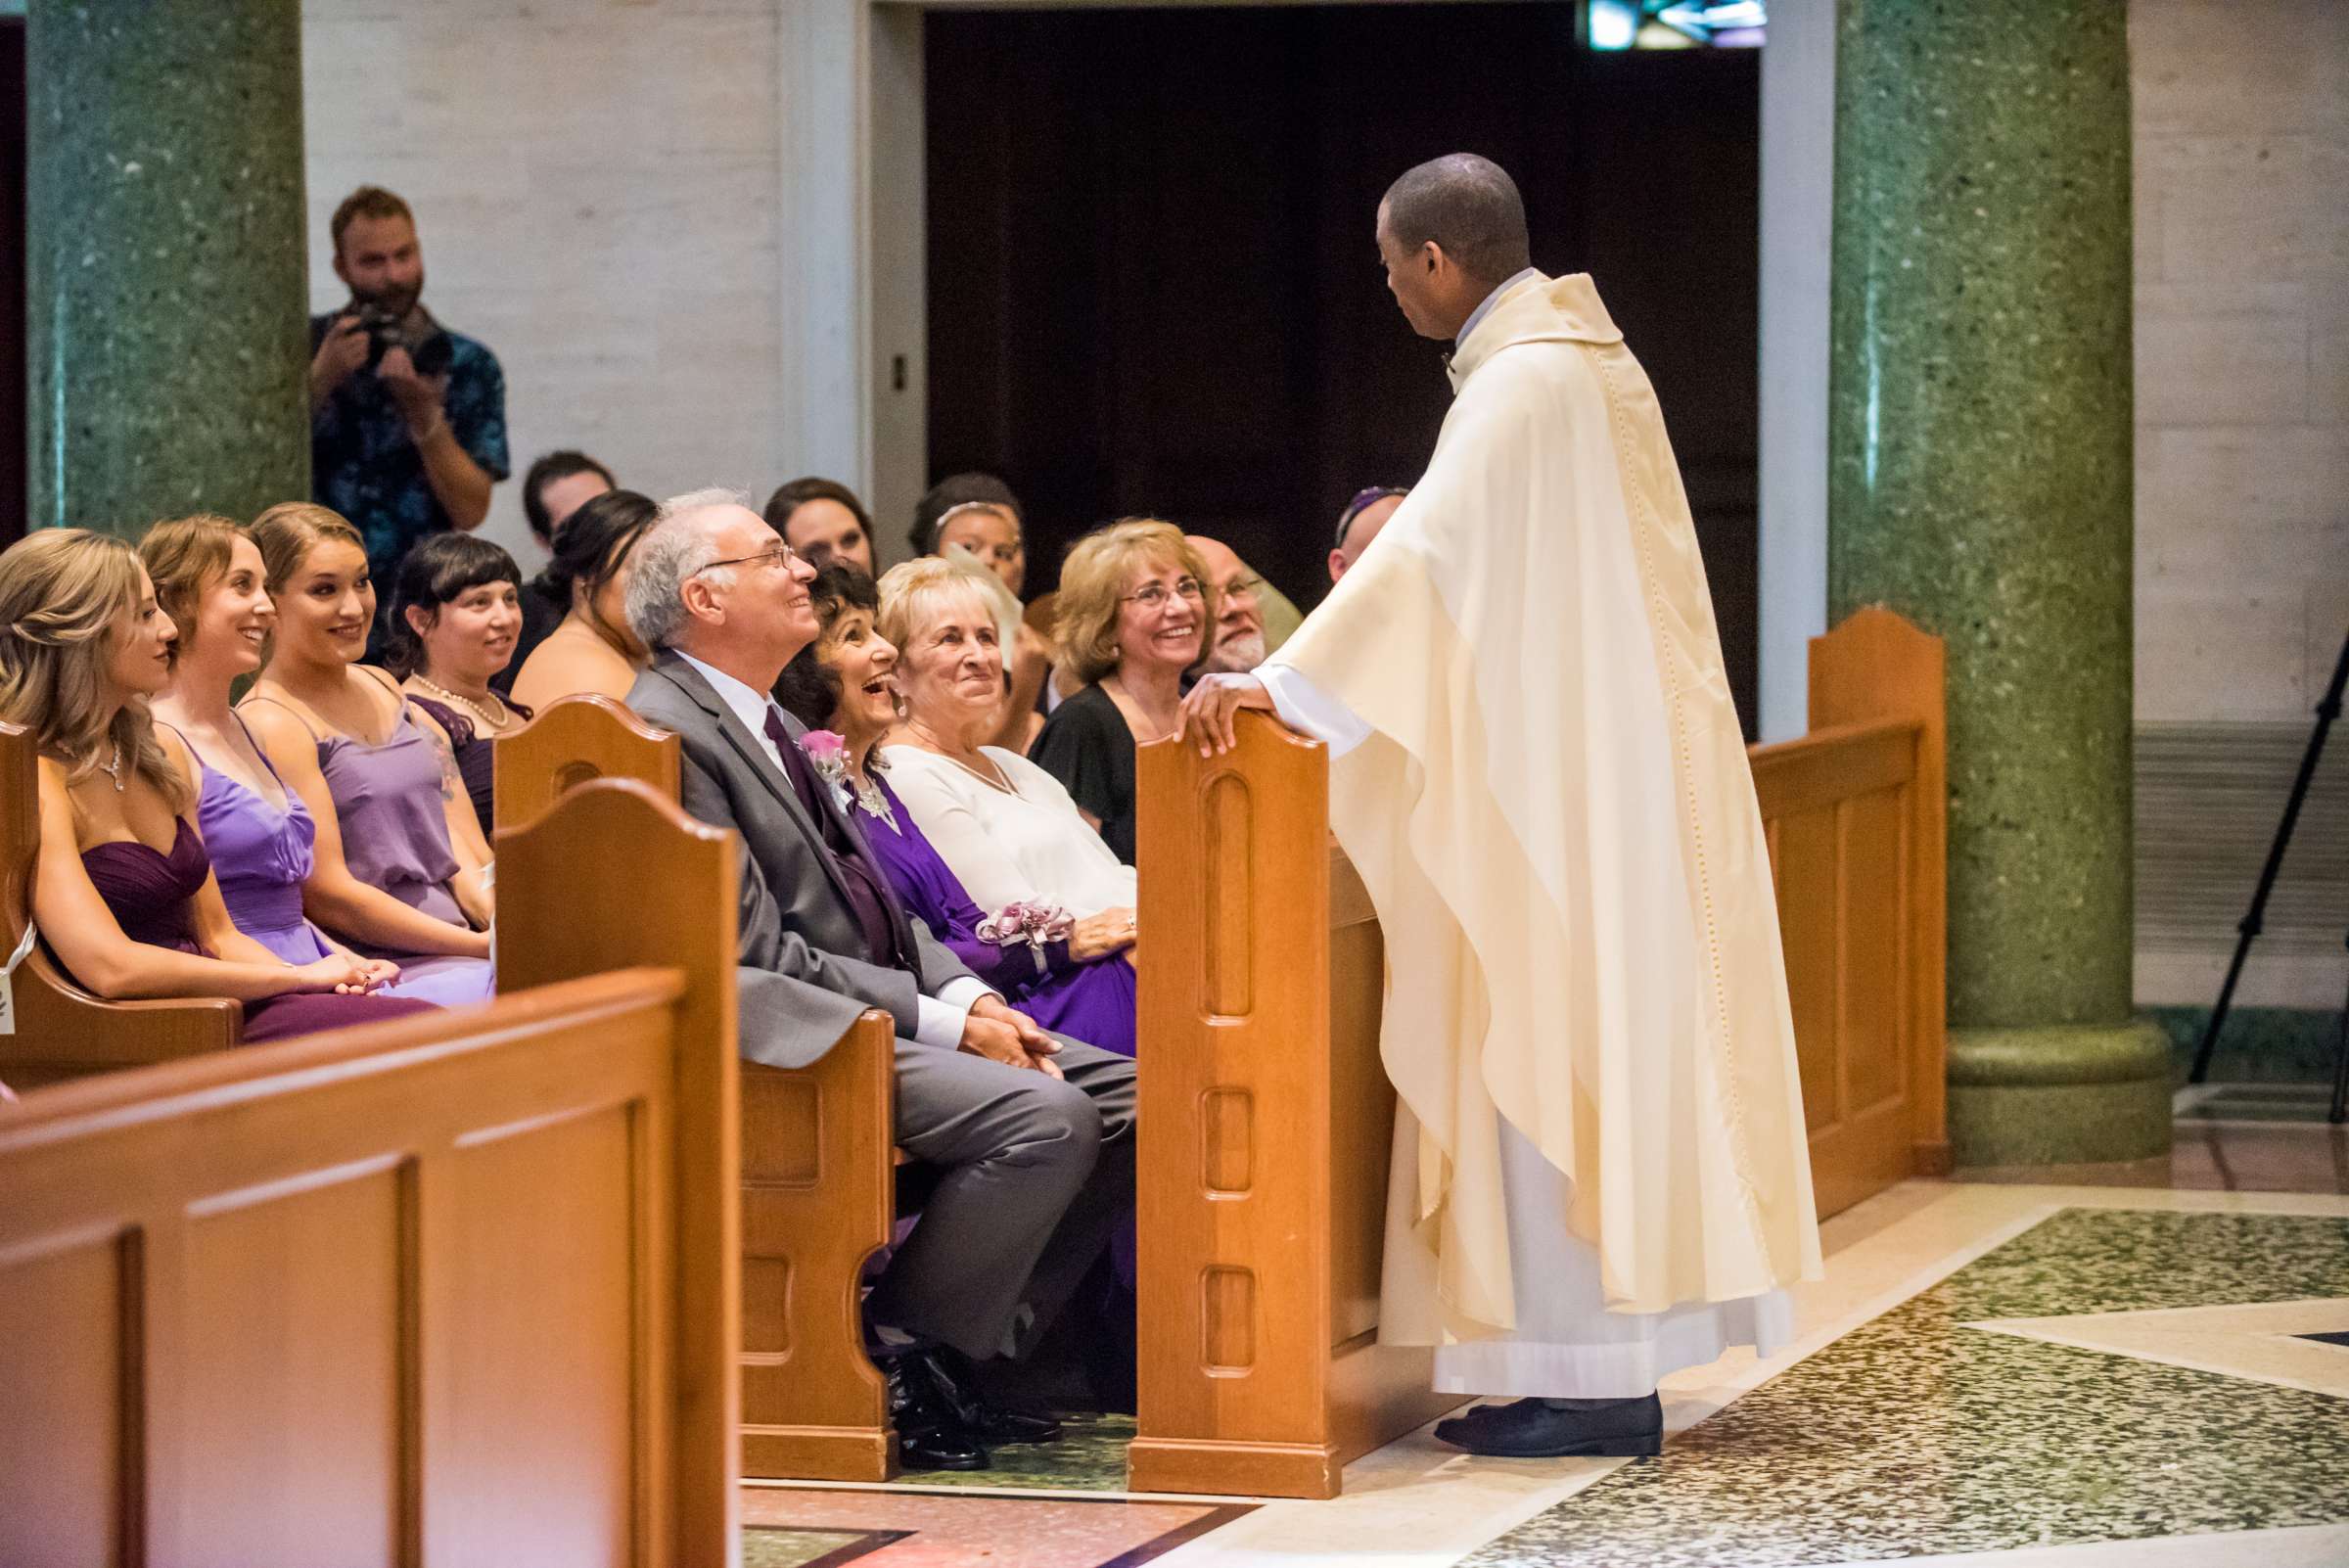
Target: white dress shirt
x,y
941,1017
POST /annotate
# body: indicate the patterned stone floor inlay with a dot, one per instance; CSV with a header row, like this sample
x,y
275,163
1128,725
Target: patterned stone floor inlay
x,y
1916,1434
811,1548
786,1527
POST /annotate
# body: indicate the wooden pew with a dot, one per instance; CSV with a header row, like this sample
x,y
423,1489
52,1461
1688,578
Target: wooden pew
x,y
1857,814
1265,1112
1265,1119
445,1289
816,1181
62,1030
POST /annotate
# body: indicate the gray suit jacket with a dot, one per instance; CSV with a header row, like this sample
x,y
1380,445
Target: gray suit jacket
x,y
800,985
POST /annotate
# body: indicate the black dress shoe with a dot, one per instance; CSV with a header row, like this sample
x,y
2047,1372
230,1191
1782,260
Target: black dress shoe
x,y
957,1384
1534,1429
929,1436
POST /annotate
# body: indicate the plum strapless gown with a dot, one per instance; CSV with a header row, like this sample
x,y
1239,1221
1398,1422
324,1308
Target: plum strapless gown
x,y
151,895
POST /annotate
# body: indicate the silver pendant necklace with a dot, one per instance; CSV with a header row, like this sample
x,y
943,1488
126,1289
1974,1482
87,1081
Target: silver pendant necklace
x,y
114,769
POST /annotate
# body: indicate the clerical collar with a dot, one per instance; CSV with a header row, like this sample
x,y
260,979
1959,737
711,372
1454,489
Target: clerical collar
x,y
1476,317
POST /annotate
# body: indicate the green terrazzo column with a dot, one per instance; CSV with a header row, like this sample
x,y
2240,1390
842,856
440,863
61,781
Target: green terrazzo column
x,y
1980,450
168,283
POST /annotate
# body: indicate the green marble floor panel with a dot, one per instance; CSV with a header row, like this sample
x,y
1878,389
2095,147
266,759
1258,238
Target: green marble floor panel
x,y
2260,1102
1091,1457
1914,1434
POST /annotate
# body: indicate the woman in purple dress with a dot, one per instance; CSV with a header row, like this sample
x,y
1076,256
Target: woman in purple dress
x,y
210,578
123,888
398,867
455,613
1075,977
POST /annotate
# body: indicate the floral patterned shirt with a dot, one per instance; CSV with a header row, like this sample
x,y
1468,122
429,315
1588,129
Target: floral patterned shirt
x,y
364,465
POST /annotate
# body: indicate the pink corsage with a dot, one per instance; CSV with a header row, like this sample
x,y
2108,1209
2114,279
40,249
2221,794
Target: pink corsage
x,y
1035,924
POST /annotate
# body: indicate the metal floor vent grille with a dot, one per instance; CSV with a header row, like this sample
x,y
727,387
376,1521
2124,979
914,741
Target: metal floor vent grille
x,y
2208,798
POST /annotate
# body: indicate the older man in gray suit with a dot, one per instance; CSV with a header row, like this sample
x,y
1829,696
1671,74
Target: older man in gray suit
x,y
1033,1133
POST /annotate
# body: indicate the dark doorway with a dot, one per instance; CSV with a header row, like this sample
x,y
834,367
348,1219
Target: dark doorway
x,y
1153,285
13,472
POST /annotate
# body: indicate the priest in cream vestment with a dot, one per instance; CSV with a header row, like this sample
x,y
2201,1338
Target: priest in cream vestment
x,y
1600,1174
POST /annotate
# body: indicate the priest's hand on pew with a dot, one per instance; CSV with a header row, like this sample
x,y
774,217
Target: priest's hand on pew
x,y
1209,711
1008,1035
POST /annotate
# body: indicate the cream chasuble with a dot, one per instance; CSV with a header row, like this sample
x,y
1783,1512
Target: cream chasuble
x,y
1585,1013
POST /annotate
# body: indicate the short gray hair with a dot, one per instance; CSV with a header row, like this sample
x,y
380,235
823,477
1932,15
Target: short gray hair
x,y
674,550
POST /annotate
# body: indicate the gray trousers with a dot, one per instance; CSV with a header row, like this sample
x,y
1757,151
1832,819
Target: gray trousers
x,y
1038,1176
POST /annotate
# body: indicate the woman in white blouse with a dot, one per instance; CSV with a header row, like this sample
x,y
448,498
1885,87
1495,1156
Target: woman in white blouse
x,y
1004,826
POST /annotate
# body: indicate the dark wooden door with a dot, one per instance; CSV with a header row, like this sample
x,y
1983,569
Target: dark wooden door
x,y
1153,285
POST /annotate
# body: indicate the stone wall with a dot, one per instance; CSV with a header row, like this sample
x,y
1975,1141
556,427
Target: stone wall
x,y
2241,155
597,184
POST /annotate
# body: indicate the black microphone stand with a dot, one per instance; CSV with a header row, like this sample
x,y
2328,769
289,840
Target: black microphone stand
x,y
2249,927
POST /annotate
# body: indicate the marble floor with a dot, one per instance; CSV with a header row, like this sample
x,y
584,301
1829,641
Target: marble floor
x,y
2085,1368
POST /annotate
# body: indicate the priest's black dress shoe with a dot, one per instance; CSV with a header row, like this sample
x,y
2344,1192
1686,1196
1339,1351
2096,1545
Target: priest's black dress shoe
x,y
929,1436
1533,1429
957,1384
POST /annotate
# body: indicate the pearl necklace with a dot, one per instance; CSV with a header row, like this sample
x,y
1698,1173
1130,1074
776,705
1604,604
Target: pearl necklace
x,y
492,725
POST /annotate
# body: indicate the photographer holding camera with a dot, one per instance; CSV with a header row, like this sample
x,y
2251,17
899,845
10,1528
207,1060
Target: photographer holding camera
x,y
408,419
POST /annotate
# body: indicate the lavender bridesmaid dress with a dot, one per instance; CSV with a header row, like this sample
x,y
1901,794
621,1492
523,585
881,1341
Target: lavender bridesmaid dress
x,y
262,856
150,893
395,838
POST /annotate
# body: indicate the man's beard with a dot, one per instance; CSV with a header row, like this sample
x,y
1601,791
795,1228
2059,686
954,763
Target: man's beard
x,y
1236,654
395,302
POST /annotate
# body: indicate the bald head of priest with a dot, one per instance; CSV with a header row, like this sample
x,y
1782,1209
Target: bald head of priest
x,y
1451,233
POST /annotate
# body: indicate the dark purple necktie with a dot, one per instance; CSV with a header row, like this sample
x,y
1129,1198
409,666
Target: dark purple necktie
x,y
868,894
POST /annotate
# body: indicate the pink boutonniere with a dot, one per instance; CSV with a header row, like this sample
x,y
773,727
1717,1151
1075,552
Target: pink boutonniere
x,y
829,753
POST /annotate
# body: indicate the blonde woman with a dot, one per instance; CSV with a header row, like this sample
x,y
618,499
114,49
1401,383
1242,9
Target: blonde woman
x,y
400,868
1133,614
1006,828
123,888
593,650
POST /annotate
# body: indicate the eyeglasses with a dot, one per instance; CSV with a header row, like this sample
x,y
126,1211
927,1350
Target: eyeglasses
x,y
1155,596
1242,585
781,555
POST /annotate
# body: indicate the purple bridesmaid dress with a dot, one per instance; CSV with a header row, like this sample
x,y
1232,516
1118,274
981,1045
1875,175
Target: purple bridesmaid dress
x,y
262,855
396,837
150,893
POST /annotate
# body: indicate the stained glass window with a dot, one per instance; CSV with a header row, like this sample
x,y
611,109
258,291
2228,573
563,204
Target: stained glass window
x,y
1676,23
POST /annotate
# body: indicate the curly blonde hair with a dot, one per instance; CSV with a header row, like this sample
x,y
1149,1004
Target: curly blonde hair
x,y
1092,583
67,598
910,589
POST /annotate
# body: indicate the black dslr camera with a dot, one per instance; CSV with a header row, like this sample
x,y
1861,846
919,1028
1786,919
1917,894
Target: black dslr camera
x,y
428,348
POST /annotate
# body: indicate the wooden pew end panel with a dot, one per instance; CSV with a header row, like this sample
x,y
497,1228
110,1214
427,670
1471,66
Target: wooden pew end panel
x,y
817,1203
